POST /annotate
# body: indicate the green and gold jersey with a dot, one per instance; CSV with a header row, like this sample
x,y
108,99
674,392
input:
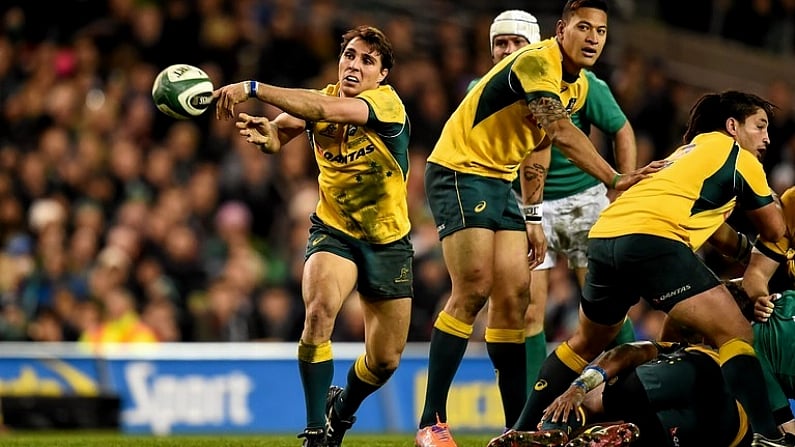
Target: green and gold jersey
x,y
492,130
601,110
773,343
363,169
691,197
782,250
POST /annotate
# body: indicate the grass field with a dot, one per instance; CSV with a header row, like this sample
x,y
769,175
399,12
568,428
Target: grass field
x,y
79,439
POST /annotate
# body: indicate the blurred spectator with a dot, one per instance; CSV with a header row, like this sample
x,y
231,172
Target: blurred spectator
x,y
221,315
161,317
121,323
275,316
100,192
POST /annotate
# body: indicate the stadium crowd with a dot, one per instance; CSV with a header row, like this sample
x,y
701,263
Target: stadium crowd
x,y
120,223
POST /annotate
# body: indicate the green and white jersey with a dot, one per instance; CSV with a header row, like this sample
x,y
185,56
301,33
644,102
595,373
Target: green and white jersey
x,y
773,343
601,110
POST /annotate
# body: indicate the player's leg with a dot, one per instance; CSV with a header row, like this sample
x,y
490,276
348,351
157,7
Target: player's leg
x,y
468,254
386,329
505,329
693,296
327,280
627,332
732,333
535,337
606,299
576,215
385,286
468,211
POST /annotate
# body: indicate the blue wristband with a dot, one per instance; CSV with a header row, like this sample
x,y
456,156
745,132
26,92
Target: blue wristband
x,y
252,89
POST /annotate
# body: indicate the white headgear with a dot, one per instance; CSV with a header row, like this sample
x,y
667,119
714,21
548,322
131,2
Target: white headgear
x,y
516,22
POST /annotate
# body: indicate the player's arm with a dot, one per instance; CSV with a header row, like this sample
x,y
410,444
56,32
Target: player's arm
x,y
602,109
758,273
269,135
625,356
607,365
625,149
769,221
757,199
553,118
308,105
731,243
532,175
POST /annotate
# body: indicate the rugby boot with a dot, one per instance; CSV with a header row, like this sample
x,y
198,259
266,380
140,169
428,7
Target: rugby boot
x,y
615,435
541,438
436,435
335,425
313,437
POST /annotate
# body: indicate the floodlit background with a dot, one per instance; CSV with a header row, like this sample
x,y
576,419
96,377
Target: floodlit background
x,y
110,209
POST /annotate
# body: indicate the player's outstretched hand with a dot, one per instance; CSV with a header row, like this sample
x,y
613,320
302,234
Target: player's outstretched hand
x,y
226,97
260,131
569,401
630,178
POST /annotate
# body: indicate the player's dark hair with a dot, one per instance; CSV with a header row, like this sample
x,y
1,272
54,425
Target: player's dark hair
x,y
711,111
744,302
573,5
377,41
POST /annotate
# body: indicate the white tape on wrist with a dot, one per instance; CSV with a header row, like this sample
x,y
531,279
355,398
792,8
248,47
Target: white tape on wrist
x,y
532,213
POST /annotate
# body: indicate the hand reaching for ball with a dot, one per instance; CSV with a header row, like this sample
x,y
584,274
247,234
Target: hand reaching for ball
x,y
260,131
226,97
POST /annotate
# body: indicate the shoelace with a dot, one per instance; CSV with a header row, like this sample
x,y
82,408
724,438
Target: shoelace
x,y
441,431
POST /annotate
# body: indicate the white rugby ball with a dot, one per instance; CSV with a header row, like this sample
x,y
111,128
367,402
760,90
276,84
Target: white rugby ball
x,y
182,91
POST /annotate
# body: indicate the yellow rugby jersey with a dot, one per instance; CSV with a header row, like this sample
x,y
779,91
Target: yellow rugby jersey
x,y
363,169
783,250
492,130
690,198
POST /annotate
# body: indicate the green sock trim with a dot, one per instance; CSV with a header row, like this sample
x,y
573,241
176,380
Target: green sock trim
x,y
626,334
535,348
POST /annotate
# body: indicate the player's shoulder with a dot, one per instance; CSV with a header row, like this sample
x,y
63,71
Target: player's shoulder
x,y
593,79
383,92
331,90
547,49
788,197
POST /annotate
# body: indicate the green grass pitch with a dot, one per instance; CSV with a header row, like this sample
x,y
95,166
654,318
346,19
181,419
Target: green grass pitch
x,y
80,439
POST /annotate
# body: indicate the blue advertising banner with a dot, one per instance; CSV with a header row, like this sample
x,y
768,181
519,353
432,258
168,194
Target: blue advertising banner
x,y
239,387
242,388
248,395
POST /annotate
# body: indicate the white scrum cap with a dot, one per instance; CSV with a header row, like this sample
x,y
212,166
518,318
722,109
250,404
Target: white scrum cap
x,y
516,22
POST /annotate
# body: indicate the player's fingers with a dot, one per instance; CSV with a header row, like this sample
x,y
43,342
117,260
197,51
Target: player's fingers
x,y
565,413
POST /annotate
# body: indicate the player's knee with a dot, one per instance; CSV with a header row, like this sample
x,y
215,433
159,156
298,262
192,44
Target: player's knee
x,y
320,313
470,304
533,320
379,371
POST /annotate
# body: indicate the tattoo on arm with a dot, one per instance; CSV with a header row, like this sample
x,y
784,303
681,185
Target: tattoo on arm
x,y
547,110
534,176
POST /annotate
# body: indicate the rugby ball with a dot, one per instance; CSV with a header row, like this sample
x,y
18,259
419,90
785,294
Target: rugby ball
x,y
182,91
